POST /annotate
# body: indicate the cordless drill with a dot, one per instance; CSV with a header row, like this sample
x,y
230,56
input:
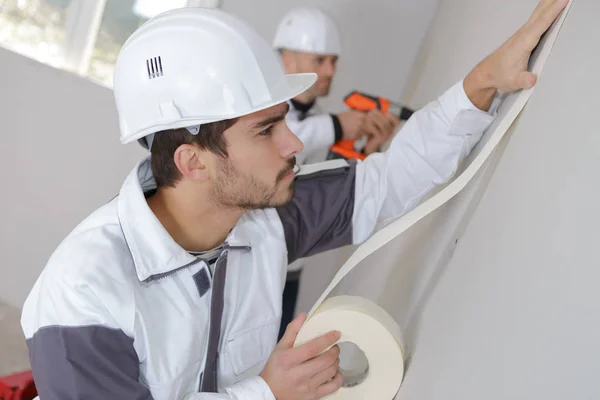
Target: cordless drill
x,y
364,102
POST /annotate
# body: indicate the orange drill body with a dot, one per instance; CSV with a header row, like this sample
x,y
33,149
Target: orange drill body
x,y
363,102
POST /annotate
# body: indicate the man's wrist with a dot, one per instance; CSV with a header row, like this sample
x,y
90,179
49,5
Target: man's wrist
x,y
479,87
338,132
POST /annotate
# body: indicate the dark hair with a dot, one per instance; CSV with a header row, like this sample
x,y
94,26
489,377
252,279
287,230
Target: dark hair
x,y
166,142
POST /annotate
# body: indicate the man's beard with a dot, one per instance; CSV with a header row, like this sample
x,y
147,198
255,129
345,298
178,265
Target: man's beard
x,y
239,191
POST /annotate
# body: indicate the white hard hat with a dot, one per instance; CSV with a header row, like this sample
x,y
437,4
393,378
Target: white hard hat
x,y
310,30
193,66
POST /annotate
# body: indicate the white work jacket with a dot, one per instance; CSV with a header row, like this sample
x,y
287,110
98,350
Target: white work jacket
x,y
315,130
121,311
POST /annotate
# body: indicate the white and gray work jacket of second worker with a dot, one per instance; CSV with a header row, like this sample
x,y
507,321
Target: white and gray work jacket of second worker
x,y
316,130
121,311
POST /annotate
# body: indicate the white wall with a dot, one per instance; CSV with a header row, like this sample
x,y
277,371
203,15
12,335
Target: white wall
x,y
381,39
60,159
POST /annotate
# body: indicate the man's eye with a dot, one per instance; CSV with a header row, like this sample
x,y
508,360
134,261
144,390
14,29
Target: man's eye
x,y
267,131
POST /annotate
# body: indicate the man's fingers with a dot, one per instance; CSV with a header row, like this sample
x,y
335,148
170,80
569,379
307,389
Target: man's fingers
x,y
331,386
386,122
361,117
526,80
539,10
547,17
315,347
394,120
291,332
317,365
371,129
373,145
380,123
326,374
370,123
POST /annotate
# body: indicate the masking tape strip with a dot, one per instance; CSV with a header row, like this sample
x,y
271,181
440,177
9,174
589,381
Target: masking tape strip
x,y
363,322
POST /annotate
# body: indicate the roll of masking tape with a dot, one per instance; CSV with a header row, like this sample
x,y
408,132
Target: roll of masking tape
x,y
366,325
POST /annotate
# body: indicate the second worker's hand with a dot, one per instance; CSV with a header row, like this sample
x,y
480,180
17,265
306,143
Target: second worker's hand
x,y
352,123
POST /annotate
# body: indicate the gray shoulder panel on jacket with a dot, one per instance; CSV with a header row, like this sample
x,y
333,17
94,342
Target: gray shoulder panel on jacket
x,y
319,217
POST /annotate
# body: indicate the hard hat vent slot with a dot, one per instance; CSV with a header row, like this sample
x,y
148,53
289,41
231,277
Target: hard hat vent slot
x,y
154,67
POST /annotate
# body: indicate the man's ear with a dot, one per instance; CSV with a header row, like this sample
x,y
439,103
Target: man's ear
x,y
192,162
288,58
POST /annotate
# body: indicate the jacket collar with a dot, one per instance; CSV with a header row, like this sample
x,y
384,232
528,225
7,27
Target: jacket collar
x,y
155,253
302,107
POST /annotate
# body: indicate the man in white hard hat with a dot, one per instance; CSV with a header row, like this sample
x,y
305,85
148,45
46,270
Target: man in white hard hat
x,y
308,41
172,290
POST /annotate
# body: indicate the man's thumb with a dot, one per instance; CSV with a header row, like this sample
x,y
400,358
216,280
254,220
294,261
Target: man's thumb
x,y
526,80
289,337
